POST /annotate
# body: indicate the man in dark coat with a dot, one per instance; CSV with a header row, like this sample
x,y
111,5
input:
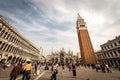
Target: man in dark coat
x,y
74,69
15,72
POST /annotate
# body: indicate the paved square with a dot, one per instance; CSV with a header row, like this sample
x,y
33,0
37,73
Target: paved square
x,y
83,74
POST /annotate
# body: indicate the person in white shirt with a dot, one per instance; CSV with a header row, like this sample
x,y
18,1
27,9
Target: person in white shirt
x,y
107,67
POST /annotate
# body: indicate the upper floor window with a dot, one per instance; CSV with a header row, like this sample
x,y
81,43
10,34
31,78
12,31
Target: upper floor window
x,y
115,44
105,55
119,42
108,47
111,46
111,54
0,29
2,33
108,54
0,42
102,48
119,51
115,53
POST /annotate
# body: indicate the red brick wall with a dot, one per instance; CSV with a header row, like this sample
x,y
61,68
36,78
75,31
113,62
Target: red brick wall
x,y
86,49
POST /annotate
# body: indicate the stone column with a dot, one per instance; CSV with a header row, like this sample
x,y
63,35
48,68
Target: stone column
x,y
3,33
3,46
117,62
113,63
6,47
10,36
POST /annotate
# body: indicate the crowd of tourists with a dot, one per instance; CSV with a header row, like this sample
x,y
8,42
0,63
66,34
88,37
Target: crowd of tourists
x,y
25,69
54,69
4,64
29,66
103,67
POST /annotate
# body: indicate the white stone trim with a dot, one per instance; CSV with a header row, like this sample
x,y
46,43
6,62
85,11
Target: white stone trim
x,y
82,28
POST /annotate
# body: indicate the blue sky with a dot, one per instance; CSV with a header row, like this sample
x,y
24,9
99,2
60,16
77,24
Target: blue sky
x,y
51,24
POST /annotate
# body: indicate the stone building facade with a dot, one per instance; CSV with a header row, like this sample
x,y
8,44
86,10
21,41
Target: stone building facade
x,y
41,53
61,57
13,46
110,52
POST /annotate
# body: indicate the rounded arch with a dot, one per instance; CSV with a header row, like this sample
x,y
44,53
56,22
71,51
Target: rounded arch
x,y
13,60
23,60
2,45
5,46
20,60
17,59
9,58
0,42
2,33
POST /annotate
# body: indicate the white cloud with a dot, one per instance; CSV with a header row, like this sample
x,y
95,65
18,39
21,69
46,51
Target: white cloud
x,y
101,18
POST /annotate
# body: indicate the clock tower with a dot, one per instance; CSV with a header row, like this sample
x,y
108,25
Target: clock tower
x,y
86,48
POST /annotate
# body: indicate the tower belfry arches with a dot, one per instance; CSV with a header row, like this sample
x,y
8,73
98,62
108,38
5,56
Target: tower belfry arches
x,y
86,48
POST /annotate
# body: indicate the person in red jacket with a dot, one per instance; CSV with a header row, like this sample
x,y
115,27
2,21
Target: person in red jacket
x,y
15,72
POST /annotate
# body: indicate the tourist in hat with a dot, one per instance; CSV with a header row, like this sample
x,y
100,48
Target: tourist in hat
x,y
27,70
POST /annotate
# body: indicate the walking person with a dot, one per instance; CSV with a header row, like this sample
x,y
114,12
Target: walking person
x,y
1,66
70,66
74,69
55,72
119,67
108,69
27,70
46,66
97,66
103,67
63,66
38,68
15,72
52,67
35,67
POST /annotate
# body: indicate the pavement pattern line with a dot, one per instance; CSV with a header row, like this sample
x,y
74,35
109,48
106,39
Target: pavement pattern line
x,y
40,75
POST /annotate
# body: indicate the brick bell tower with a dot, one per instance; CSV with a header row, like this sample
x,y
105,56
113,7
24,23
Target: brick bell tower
x,y
86,48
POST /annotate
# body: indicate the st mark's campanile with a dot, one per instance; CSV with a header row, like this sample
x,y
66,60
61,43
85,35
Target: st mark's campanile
x,y
86,48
